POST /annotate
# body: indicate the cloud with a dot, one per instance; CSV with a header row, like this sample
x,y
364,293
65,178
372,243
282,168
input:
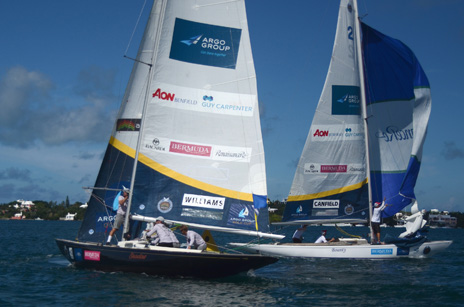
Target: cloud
x,y
451,151
32,112
85,156
14,173
32,191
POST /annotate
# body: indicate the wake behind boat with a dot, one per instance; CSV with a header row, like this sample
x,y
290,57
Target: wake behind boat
x,y
364,146
187,142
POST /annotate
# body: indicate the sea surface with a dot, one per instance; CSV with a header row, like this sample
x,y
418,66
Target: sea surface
x,y
34,273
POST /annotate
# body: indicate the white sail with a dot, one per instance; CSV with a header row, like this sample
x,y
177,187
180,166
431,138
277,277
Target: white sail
x,y
192,95
330,180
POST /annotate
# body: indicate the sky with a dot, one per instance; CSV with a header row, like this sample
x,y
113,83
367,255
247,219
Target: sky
x,y
63,76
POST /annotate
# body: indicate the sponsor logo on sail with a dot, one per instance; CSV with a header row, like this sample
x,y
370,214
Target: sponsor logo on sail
x,y
345,100
244,213
326,203
103,223
207,98
163,95
193,40
315,168
203,201
333,168
356,169
106,218
311,168
126,124
242,216
349,132
91,255
165,205
190,149
335,133
205,44
349,209
155,145
321,133
392,133
159,94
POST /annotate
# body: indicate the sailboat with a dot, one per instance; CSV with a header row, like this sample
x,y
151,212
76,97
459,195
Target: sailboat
x,y
364,146
187,143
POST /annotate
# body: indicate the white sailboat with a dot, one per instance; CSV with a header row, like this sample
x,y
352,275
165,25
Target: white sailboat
x,y
364,146
187,141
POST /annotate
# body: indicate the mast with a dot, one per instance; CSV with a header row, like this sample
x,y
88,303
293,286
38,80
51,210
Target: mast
x,y
363,107
145,103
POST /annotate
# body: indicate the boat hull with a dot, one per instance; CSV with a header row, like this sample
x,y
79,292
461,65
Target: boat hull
x,y
153,260
347,251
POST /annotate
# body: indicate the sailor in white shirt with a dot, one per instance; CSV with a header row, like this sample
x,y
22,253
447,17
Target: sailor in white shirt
x,y
375,221
163,236
194,240
322,238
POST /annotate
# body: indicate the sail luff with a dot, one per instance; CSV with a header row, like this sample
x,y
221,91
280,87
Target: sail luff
x,y
144,108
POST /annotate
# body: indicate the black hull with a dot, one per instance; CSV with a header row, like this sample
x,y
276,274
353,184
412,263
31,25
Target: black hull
x,y
157,262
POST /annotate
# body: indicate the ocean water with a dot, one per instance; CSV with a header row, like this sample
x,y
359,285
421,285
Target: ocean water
x,y
34,273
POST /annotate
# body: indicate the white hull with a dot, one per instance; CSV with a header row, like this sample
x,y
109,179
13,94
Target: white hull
x,y
346,250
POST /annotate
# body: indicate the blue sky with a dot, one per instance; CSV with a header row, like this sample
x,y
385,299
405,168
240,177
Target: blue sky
x,y
63,75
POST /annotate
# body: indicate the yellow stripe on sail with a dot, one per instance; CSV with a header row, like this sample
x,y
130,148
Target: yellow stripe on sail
x,y
328,193
179,177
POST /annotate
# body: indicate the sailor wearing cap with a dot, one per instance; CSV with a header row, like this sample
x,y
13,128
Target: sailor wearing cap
x,y
375,221
120,214
161,235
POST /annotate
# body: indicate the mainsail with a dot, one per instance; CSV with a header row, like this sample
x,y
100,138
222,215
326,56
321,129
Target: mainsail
x,y
331,181
190,114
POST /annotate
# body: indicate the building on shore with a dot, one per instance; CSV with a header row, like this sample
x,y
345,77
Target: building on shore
x,y
441,219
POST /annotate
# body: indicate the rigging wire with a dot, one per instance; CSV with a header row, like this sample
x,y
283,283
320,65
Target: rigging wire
x,y
135,28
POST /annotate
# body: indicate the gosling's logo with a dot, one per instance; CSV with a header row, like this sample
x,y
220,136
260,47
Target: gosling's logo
x,y
205,44
165,205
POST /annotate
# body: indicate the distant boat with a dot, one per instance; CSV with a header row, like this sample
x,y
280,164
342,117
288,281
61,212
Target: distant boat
x,y
17,216
369,127
68,217
188,143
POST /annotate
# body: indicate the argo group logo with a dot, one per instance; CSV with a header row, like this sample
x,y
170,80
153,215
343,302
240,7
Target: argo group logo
x,y
345,100
205,44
